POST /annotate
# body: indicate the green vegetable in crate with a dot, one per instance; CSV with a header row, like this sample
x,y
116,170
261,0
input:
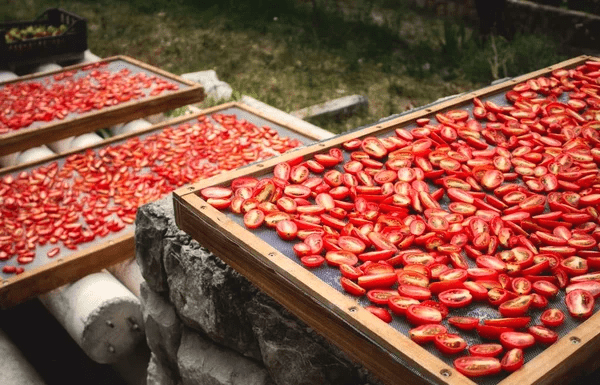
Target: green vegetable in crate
x,y
34,32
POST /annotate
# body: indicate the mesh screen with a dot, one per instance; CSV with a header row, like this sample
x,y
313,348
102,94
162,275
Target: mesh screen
x,y
41,258
331,276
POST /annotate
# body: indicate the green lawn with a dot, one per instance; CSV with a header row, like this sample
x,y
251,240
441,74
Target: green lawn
x,y
287,55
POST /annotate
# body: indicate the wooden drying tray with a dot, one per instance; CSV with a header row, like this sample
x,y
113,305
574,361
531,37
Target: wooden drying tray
x,y
104,253
189,92
376,345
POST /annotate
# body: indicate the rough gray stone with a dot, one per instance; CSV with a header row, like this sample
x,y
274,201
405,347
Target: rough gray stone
x,y
159,375
341,107
155,230
163,327
293,353
203,363
210,296
213,87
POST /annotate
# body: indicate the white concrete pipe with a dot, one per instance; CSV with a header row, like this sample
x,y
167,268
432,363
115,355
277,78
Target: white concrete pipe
x,y
100,314
133,126
16,370
46,67
9,160
34,154
62,145
85,140
7,75
129,274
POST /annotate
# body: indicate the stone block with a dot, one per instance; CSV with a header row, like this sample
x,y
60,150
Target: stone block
x,y
213,87
159,375
341,107
163,327
202,362
295,354
210,296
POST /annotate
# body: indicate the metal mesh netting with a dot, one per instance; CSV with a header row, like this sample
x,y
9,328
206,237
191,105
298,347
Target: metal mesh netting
x,y
331,276
41,257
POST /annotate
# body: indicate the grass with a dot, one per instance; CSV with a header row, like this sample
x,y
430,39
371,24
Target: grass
x,y
289,55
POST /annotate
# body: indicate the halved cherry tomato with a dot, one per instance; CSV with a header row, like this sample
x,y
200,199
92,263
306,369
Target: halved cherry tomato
x,y
419,315
580,303
515,307
472,366
455,298
512,360
448,343
380,313
464,323
513,322
399,304
312,261
511,340
351,287
542,334
426,333
552,317
485,350
254,218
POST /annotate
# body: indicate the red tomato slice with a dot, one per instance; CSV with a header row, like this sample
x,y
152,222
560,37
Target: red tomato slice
x,y
339,257
485,350
438,306
351,272
455,298
514,322
381,296
351,287
593,287
492,332
312,261
580,303
254,218
472,366
543,334
216,192
399,304
426,333
377,281
552,317
515,307
420,315
512,360
449,343
464,323
380,313
511,340
417,292
287,230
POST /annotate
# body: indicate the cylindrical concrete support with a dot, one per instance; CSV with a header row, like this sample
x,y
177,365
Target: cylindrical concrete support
x,y
34,154
85,140
129,274
134,125
46,67
7,75
16,370
100,314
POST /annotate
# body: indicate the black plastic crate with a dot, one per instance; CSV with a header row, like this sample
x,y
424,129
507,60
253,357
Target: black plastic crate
x,y
69,45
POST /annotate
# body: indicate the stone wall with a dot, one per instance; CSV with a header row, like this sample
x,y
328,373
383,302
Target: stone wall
x,y
208,325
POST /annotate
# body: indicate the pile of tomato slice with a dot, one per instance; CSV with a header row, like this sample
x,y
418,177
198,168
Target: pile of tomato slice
x,y
96,192
499,207
75,91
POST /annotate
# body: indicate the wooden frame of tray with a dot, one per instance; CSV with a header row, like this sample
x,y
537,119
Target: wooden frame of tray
x,y
79,263
389,354
25,138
